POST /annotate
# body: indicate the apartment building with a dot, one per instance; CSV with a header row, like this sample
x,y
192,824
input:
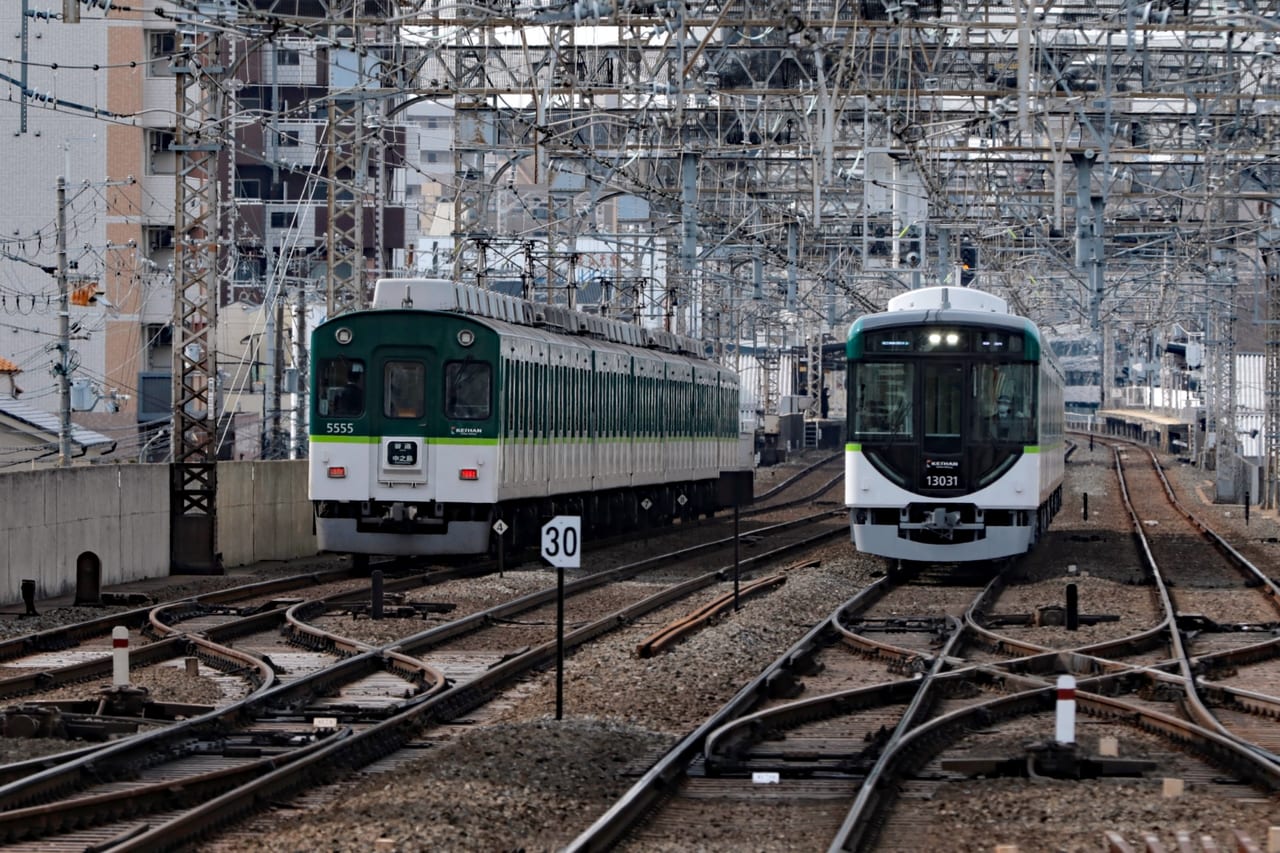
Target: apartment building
x,y
274,186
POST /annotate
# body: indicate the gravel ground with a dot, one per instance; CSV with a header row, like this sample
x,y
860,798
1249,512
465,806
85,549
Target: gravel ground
x,y
530,783
484,793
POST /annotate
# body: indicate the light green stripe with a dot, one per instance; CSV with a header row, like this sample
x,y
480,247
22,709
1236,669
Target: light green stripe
x,y
1028,448
485,442
374,439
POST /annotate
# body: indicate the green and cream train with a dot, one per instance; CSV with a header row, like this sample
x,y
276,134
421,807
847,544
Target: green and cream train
x,y
447,415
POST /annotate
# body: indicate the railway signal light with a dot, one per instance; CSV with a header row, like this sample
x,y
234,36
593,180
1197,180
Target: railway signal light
x,y
968,265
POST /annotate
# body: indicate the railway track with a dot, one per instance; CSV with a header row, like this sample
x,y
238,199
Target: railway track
x,y
823,737
475,658
892,642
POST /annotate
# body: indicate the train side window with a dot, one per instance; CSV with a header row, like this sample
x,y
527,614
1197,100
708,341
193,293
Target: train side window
x,y
467,389
341,388
509,411
403,391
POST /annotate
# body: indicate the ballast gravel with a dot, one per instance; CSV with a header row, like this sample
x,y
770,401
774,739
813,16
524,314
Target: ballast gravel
x,y
528,782
525,781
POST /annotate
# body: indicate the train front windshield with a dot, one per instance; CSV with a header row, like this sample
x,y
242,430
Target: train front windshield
x,y
942,409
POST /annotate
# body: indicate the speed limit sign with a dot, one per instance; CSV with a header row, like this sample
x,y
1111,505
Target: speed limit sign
x,y
562,541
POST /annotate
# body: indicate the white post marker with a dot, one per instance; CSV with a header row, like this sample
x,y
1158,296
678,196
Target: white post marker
x,y
1065,731
119,656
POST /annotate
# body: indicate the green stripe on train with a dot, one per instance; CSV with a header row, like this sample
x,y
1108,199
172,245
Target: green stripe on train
x,y
1028,448
367,439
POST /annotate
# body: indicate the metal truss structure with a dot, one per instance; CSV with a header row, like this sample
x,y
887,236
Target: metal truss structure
x,y
198,232
725,165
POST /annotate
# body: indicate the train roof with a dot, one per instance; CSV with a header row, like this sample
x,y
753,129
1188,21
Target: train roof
x,y
948,298
945,305
442,294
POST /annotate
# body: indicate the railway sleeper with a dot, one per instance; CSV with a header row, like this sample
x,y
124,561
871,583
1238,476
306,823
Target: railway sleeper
x,y
1049,759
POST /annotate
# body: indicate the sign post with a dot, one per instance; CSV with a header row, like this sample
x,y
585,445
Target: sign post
x,y
500,527
561,547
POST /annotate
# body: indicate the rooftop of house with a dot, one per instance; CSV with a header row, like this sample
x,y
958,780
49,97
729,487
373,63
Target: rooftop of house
x,y
19,417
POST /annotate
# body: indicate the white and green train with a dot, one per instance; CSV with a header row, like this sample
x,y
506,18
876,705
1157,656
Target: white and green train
x,y
445,409
956,429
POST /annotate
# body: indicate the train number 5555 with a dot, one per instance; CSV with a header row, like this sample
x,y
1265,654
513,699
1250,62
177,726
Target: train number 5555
x,y
340,428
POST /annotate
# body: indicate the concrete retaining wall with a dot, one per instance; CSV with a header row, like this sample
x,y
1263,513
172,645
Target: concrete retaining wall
x,y
263,512
120,513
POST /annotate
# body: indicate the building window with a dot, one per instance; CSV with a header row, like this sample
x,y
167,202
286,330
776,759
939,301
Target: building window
x,y
287,56
161,159
161,46
159,238
287,139
282,219
248,188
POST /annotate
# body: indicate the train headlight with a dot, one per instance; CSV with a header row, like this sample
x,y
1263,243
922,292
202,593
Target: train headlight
x,y
953,338
466,337
935,338
343,335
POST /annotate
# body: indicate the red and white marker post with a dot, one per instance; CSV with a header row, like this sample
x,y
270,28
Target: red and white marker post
x,y
1065,729
119,656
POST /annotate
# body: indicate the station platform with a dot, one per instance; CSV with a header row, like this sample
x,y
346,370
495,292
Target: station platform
x,y
1169,434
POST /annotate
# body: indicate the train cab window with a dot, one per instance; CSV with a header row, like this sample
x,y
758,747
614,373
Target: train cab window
x,y
1005,396
882,399
467,386
943,396
403,389
341,390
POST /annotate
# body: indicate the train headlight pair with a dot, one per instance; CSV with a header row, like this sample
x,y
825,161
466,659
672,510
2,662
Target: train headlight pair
x,y
936,338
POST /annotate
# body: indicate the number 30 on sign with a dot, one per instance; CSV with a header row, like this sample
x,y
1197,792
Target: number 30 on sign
x,y
561,541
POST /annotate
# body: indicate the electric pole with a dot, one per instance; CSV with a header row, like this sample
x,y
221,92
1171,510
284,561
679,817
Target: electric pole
x,y
63,368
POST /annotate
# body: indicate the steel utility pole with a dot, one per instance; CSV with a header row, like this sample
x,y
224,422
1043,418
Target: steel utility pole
x,y
193,479
63,368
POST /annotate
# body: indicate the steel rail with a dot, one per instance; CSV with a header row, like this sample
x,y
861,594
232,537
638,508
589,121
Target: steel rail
x,y
56,639
1195,704
34,821
797,477
385,737
672,633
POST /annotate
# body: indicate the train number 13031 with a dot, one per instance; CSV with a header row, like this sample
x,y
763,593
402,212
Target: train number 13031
x,y
941,481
